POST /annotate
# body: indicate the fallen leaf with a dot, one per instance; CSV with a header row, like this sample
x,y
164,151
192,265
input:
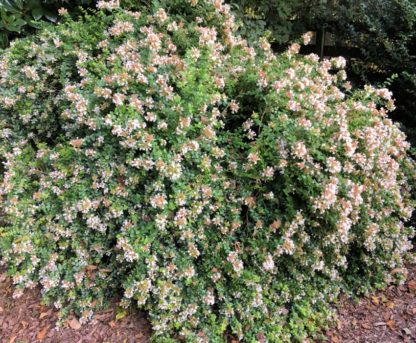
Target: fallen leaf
x,y
43,315
399,270
391,305
74,324
412,285
112,324
366,326
334,339
139,335
390,324
12,339
121,313
42,333
374,300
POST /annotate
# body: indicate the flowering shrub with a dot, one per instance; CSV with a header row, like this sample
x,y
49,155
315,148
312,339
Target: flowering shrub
x,y
219,187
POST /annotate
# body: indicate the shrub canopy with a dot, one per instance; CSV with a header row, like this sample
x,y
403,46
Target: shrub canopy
x,y
217,186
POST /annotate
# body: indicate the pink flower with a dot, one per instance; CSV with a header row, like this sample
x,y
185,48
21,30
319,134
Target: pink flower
x,y
158,201
300,150
234,106
62,11
253,158
333,165
294,48
307,37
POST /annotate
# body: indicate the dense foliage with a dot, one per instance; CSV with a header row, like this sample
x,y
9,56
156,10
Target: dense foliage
x,y
218,186
283,21
20,17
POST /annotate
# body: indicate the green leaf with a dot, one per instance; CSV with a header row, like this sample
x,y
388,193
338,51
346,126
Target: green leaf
x,y
33,3
51,15
16,25
121,313
35,24
9,6
19,4
4,40
37,13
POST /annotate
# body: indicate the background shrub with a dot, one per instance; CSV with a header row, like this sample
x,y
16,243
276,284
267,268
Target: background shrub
x,y
21,17
282,21
215,185
384,36
377,37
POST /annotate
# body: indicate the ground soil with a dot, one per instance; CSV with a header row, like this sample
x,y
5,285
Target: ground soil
x,y
383,317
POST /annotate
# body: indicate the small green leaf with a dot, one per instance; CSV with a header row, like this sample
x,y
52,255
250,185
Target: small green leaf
x,y
35,24
121,313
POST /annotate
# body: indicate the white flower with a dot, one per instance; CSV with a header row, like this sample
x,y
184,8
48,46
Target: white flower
x,y
209,298
268,263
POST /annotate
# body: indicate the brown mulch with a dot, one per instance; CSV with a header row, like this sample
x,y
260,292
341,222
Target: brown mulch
x,y
25,320
385,317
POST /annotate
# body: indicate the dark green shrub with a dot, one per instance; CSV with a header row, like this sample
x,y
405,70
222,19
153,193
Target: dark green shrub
x,y
282,21
20,17
384,34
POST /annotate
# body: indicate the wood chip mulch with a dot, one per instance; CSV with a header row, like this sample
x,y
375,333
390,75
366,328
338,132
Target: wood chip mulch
x,y
384,317
25,320
387,316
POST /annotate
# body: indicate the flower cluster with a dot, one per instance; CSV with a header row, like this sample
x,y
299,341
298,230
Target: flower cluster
x,y
216,185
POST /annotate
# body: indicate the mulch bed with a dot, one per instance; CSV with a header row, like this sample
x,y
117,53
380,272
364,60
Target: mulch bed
x,y
384,317
25,320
